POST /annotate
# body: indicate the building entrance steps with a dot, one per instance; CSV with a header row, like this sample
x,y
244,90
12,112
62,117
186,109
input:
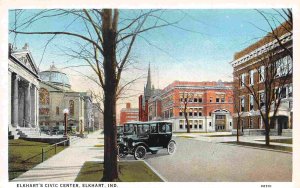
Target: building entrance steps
x,y
65,166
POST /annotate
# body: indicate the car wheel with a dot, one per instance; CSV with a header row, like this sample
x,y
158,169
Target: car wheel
x,y
139,153
171,147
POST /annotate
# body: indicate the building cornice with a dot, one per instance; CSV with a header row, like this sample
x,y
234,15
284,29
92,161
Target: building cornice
x,y
255,53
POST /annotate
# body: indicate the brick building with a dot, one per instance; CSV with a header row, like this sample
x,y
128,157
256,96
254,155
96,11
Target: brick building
x,y
128,114
209,108
252,71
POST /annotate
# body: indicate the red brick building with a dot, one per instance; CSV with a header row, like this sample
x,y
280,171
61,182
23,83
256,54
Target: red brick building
x,y
128,114
209,108
250,70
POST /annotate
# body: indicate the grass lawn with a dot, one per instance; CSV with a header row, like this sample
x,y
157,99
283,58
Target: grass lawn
x,y
285,141
136,171
24,155
279,148
99,145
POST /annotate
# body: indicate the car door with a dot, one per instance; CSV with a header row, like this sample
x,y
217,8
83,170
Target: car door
x,y
165,133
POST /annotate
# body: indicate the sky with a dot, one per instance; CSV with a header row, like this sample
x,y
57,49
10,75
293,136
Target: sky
x,y
198,48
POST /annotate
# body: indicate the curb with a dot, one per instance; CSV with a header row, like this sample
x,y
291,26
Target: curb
x,y
159,175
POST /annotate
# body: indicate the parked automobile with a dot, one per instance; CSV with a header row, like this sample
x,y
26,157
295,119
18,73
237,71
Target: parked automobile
x,y
147,137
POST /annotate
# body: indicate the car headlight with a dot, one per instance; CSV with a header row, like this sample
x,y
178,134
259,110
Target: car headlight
x,y
126,143
133,143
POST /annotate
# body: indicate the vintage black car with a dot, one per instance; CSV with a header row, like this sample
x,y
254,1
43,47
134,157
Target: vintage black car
x,y
147,137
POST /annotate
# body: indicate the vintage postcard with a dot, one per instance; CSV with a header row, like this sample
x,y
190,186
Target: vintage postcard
x,y
108,95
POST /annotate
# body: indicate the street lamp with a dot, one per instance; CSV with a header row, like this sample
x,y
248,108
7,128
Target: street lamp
x,y
66,112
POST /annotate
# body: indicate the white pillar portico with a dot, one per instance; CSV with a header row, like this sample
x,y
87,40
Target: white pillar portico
x,y
15,101
28,106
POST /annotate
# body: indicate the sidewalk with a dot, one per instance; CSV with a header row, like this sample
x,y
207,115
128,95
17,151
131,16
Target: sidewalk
x,y
65,166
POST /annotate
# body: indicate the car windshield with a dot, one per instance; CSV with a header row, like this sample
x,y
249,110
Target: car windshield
x,y
143,129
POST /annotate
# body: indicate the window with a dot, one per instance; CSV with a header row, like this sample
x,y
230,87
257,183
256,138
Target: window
x,y
210,124
57,110
210,99
251,102
251,77
223,99
262,99
242,103
190,113
209,113
195,100
284,66
217,100
242,79
283,93
181,126
71,107
180,113
171,112
200,113
195,126
290,91
230,124
200,126
200,100
195,113
261,73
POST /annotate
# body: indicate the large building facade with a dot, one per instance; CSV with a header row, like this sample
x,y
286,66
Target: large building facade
x,y
255,67
55,95
23,86
209,106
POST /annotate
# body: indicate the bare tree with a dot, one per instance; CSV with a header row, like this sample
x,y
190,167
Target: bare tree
x,y
187,97
235,94
109,41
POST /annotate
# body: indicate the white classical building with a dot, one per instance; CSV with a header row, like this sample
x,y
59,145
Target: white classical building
x,y
23,86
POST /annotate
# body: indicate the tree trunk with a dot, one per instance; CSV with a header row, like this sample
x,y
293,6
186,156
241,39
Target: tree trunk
x,y
187,123
237,129
267,128
110,172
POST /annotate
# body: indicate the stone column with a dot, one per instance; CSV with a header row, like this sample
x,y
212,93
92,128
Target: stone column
x,y
16,101
9,100
37,99
33,106
28,105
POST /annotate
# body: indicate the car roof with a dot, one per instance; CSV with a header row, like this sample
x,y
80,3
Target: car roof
x,y
148,122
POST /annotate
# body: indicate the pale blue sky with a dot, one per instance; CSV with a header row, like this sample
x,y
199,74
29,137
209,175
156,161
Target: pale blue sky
x,y
199,52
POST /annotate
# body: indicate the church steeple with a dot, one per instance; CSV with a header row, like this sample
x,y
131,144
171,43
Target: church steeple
x,y
148,89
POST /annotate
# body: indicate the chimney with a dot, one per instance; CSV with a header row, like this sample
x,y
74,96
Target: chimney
x,y
127,105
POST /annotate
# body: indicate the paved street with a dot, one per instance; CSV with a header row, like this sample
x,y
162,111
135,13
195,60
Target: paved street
x,y
66,165
202,161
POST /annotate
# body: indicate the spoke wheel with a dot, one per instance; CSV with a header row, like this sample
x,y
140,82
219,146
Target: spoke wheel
x,y
139,153
171,147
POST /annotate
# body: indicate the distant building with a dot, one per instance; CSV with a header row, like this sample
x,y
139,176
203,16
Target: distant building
x,y
128,114
56,95
249,70
209,108
98,116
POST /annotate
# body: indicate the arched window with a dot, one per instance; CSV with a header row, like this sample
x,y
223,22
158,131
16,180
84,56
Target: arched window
x,y
71,107
44,96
